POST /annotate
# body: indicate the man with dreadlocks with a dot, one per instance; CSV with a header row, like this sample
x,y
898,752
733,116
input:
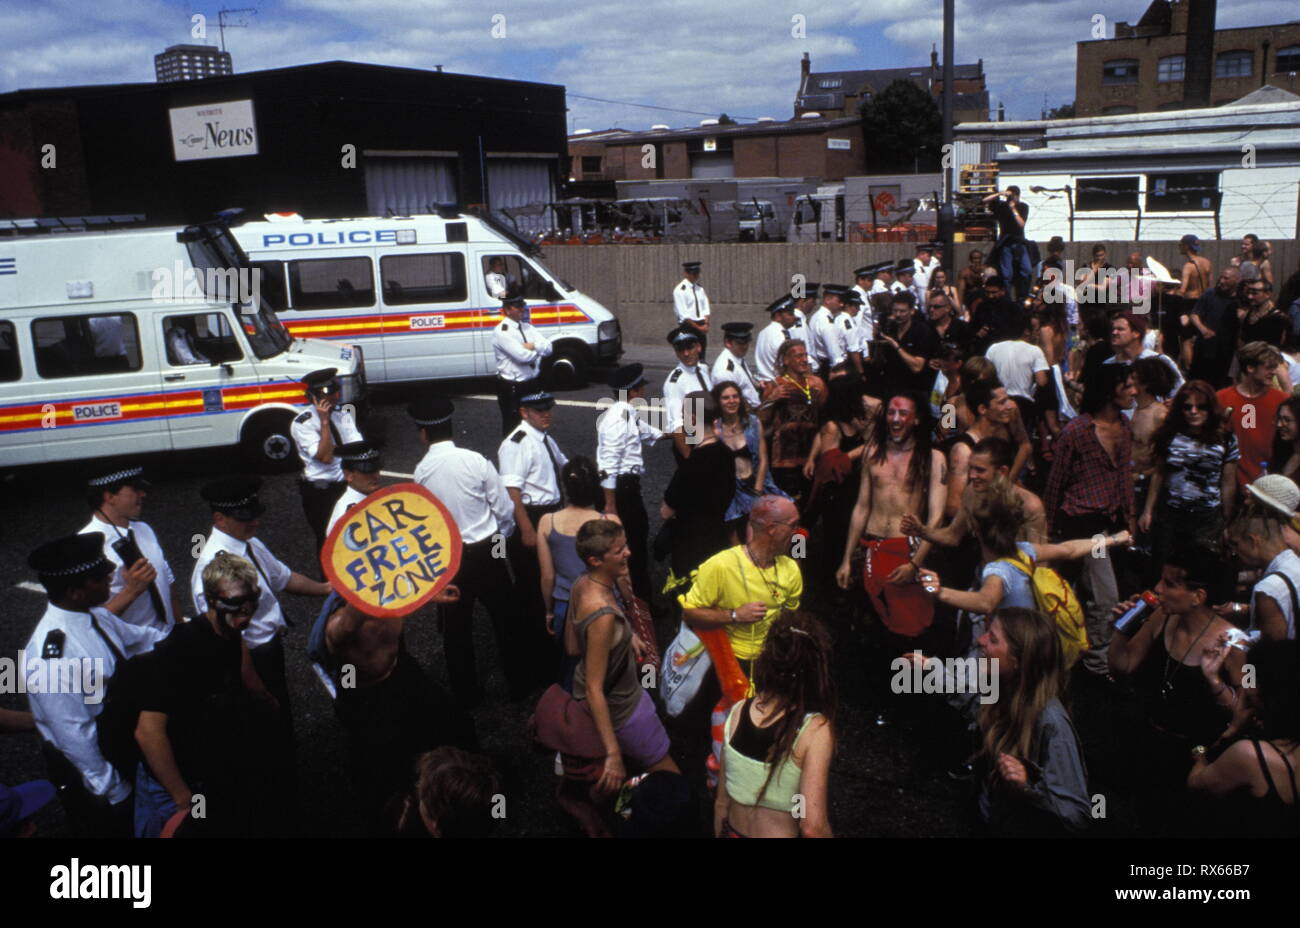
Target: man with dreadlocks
x,y
902,474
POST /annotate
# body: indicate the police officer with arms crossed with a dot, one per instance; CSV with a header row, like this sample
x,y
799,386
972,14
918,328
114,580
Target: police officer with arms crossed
x,y
471,489
691,303
76,628
317,433
731,365
143,591
361,464
519,349
620,432
530,469
687,377
779,330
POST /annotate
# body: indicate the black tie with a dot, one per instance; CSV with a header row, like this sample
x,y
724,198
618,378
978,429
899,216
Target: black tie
x,y
154,596
786,333
555,464
117,655
334,431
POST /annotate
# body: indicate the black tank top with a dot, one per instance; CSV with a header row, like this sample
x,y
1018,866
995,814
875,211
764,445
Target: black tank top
x,y
1176,697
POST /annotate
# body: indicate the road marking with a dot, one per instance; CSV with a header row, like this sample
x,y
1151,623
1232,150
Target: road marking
x,y
586,404
393,473
29,587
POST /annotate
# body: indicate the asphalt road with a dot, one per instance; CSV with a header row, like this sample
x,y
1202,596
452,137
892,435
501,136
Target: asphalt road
x,y
886,781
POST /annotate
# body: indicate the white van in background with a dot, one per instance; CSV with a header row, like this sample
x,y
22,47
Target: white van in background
x,y
100,356
413,291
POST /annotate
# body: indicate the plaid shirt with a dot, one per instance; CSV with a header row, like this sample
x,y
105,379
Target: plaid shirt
x,y
1084,479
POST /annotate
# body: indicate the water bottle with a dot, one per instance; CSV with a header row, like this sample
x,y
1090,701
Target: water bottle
x,y
1133,620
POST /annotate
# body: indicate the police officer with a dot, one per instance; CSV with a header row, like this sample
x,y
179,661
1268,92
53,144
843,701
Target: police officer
x,y
530,463
779,330
77,632
925,263
620,433
691,303
317,432
143,591
361,464
818,325
856,329
905,273
863,279
498,287
730,364
687,377
472,490
519,349
882,278
804,307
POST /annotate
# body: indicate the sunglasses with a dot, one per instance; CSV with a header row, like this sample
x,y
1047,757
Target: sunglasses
x,y
236,603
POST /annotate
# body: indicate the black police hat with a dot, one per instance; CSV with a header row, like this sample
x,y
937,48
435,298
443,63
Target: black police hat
x,y
322,382
738,331
835,290
691,266
431,410
681,336
881,267
931,246
905,267
540,401
235,497
866,270
70,556
810,288
116,476
361,456
786,303
852,296
514,301
628,377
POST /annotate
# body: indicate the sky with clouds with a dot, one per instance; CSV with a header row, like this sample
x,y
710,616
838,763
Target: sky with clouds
x,y
690,58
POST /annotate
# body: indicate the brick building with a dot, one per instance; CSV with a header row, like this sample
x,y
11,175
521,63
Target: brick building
x,y
1146,67
803,147
842,93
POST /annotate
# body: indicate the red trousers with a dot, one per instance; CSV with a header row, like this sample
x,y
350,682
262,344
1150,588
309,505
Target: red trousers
x,y
905,609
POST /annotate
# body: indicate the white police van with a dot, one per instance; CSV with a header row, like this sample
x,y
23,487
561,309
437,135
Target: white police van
x,y
414,291
134,341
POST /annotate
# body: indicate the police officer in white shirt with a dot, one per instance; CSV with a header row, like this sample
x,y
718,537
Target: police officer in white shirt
x,y
688,376
317,432
804,307
620,433
143,589
236,512
497,285
531,462
925,263
863,282
731,365
856,325
361,465
905,278
780,329
836,336
519,349
472,490
818,324
882,278
691,303
76,649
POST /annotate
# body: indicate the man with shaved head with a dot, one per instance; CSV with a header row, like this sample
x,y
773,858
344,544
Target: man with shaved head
x,y
737,595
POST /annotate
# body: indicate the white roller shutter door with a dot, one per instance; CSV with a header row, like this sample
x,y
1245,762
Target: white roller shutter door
x,y
517,184
409,186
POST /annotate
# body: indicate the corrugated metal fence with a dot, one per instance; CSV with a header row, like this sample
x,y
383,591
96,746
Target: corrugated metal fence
x,y
635,281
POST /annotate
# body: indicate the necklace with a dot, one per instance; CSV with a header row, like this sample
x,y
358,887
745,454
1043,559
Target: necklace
x,y
773,583
806,389
1171,669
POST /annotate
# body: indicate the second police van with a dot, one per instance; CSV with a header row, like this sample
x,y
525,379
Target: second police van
x,y
415,293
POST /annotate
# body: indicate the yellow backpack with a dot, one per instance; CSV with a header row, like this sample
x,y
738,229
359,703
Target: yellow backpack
x,y
1056,600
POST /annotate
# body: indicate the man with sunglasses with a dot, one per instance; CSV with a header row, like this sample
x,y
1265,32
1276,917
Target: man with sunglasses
x,y
189,706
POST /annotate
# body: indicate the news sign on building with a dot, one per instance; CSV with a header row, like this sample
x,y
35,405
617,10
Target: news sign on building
x,y
213,130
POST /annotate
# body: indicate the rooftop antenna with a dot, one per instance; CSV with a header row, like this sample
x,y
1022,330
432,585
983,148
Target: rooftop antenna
x,y
222,25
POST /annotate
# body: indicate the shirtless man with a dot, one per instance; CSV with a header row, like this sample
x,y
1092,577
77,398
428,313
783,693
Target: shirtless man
x,y
994,409
988,461
1154,382
391,711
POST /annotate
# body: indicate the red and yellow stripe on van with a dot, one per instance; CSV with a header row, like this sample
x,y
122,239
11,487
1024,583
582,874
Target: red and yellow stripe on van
x,y
373,325
106,410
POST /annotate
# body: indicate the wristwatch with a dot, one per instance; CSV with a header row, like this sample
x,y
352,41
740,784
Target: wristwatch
x,y
733,616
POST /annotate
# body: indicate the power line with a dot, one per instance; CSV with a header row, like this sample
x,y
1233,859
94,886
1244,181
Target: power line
x,y
647,106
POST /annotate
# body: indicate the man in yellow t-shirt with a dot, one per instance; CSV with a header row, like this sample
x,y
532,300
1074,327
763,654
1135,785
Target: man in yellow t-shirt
x,y
741,591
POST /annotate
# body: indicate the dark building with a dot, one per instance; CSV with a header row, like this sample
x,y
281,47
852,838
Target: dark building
x,y
1173,58
842,93
191,63
324,140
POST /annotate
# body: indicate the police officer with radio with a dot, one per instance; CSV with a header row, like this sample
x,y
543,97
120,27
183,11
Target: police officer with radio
x,y
317,433
519,349
143,589
77,632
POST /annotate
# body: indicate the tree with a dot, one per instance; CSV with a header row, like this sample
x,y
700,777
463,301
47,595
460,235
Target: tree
x,y
902,129
725,120
1065,111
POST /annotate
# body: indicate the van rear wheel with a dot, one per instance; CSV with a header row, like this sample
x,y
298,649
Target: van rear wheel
x,y
568,368
267,445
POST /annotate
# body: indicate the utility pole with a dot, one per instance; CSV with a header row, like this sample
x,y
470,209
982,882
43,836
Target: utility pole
x,y
947,214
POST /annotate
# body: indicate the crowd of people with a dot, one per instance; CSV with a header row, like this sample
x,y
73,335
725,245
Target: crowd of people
x,y
1094,498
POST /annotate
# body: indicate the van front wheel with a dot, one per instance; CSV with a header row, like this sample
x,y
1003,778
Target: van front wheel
x,y
267,444
568,368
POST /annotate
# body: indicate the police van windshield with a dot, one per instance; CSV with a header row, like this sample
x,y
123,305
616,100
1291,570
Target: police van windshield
x,y
226,276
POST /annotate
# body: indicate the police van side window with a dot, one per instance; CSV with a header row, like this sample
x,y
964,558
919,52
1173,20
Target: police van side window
x,y
200,338
73,346
271,281
331,283
428,278
10,367
521,279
